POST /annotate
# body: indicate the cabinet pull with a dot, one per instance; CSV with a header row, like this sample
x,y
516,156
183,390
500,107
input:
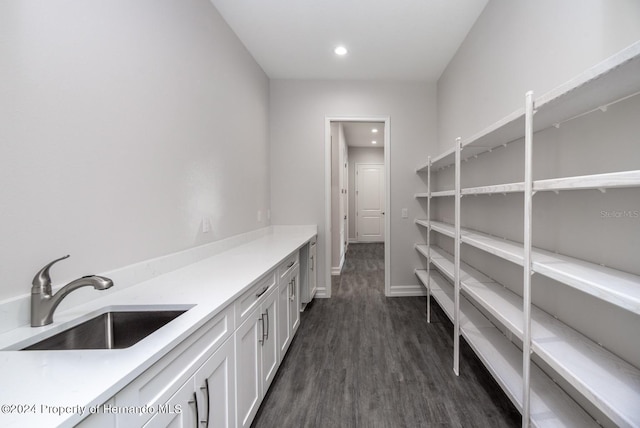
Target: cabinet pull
x,y
195,401
293,289
267,315
261,340
290,290
312,262
264,290
291,264
206,388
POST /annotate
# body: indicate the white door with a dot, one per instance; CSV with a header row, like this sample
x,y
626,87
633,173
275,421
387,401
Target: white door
x,y
248,369
270,351
215,381
370,200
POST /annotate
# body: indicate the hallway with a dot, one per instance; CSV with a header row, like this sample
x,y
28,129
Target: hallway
x,y
363,360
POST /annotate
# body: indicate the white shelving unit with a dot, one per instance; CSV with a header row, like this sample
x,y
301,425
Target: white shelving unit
x,y
474,302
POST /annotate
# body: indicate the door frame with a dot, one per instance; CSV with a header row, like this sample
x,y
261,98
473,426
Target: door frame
x,y
356,195
327,194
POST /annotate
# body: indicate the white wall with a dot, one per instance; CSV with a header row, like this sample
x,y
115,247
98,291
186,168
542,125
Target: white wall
x,y
298,111
124,124
515,47
359,155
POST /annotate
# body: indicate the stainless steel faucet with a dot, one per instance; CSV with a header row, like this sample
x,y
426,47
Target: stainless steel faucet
x,y
44,302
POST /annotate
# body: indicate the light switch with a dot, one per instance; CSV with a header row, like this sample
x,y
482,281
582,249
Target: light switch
x,y
405,213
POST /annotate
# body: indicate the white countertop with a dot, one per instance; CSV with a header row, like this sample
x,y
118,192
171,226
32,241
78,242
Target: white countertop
x,y
90,377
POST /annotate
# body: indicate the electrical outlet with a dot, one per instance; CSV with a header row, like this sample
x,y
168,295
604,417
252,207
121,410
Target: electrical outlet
x,y
206,225
405,213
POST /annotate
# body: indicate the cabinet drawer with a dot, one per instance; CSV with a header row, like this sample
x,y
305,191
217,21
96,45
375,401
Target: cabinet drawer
x,y
288,264
251,298
160,381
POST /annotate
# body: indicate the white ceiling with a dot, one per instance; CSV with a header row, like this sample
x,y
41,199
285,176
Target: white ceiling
x,y
359,134
387,39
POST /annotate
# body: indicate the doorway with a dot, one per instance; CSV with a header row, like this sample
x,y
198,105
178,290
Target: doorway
x,y
357,189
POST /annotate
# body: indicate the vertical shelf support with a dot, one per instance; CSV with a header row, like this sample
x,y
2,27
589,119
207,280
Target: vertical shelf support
x,y
528,229
429,239
456,310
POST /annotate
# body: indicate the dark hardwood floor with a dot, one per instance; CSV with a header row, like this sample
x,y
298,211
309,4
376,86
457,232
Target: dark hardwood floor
x,y
360,359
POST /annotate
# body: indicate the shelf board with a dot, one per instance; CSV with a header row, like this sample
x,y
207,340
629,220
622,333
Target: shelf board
x,y
421,195
506,130
613,79
441,193
612,384
445,159
616,287
443,228
550,406
423,249
596,181
422,222
498,188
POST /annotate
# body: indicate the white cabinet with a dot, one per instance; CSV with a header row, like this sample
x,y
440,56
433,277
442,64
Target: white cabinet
x,y
294,300
313,274
248,369
218,376
206,399
216,387
257,358
289,301
160,382
181,410
269,345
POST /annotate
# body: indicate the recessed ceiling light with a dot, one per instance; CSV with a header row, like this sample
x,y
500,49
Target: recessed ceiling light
x,y
374,130
374,142
340,50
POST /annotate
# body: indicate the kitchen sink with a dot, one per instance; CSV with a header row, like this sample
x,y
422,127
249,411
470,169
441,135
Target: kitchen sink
x,y
110,330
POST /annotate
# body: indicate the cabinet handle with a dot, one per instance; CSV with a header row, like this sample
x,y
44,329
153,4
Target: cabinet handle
x,y
267,315
292,296
195,401
291,290
206,388
264,290
312,262
261,340
291,264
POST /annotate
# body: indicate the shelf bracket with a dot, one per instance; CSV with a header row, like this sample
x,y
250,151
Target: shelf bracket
x,y
602,189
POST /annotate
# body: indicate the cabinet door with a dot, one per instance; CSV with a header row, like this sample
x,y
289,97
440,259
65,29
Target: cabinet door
x,y
294,301
269,344
284,315
216,386
181,411
248,369
313,276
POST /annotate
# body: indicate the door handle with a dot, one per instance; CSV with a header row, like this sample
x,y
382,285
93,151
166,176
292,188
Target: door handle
x,y
195,401
261,340
206,388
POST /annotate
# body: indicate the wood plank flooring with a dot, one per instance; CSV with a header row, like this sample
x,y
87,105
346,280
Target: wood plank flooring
x,y
360,359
